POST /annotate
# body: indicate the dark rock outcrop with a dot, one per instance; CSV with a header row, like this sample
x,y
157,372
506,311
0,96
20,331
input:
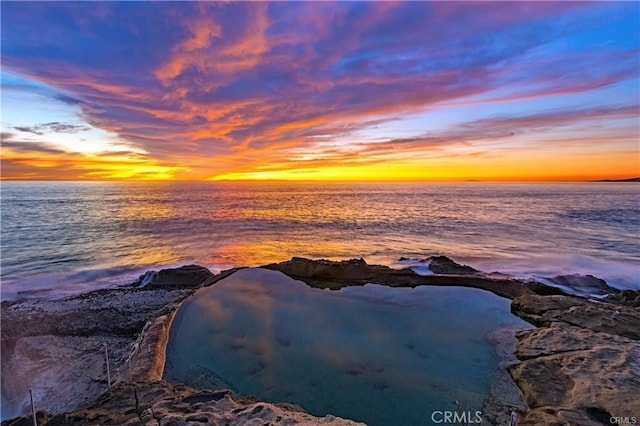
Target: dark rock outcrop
x,y
583,284
625,297
187,276
336,275
444,265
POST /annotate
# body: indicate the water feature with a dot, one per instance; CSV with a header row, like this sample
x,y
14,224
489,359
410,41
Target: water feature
x,y
375,354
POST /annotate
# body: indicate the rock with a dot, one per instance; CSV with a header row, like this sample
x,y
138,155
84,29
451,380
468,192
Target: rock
x,y
583,284
335,275
188,276
582,365
353,270
604,317
153,403
504,396
563,366
625,297
543,289
559,338
56,346
444,265
554,416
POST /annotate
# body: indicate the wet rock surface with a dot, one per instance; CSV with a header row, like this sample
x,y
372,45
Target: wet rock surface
x,y
187,276
583,284
625,297
444,265
335,275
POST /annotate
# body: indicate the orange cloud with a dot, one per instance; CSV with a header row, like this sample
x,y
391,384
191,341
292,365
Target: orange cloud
x,y
38,162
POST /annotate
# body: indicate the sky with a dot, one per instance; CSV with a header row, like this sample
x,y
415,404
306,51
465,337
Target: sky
x,y
320,90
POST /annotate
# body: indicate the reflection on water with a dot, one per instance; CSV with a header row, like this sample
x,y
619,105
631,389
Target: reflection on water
x,y
375,354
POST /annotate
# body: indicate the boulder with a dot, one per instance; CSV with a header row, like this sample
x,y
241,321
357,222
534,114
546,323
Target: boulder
x,y
345,270
583,284
188,276
444,265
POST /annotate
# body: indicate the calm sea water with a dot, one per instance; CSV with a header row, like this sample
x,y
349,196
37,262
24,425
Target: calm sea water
x,y
79,235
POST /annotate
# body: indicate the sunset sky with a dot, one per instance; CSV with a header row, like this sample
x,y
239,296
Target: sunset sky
x,y
320,90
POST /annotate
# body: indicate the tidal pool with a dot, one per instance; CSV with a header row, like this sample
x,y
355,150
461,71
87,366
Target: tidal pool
x,y
375,354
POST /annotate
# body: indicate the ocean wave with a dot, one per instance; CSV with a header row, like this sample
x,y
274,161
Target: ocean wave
x,y
619,275
59,284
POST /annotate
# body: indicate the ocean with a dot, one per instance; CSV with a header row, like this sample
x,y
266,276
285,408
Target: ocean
x,y
59,238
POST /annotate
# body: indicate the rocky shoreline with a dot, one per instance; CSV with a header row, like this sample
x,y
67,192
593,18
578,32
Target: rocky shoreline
x,y
580,365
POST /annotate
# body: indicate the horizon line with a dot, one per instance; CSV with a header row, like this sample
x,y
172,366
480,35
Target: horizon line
x,y
600,180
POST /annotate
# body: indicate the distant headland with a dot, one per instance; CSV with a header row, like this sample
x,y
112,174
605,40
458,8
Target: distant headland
x,y
635,179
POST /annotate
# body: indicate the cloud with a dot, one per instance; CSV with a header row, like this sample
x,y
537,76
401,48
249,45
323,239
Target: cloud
x,y
40,161
219,87
28,129
52,127
495,129
66,99
473,137
31,147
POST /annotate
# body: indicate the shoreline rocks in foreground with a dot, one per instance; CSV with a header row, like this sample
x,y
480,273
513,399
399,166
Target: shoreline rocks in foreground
x,y
161,403
579,366
582,364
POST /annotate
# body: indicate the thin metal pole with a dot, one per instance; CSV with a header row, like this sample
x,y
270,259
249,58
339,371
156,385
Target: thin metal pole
x,y
33,408
106,355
